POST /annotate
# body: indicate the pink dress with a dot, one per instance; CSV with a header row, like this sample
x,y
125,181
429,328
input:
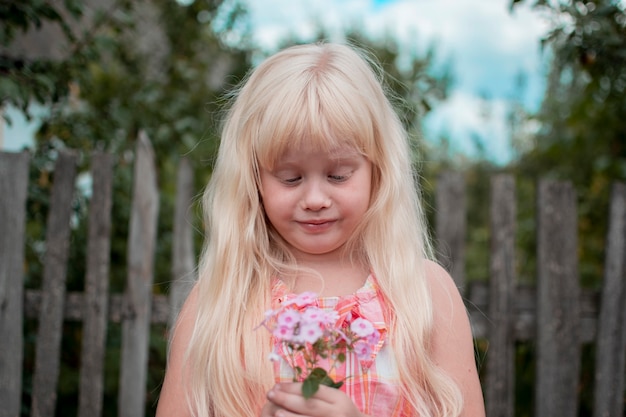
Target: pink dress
x,y
373,384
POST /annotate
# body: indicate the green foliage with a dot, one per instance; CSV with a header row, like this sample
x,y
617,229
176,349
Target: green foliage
x,y
26,80
583,134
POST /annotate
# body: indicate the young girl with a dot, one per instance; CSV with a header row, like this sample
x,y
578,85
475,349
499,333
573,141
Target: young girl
x,y
313,190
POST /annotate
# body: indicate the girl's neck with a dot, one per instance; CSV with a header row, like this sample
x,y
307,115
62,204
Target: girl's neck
x,y
331,278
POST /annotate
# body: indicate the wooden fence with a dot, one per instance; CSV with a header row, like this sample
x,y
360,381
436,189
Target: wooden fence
x,y
556,313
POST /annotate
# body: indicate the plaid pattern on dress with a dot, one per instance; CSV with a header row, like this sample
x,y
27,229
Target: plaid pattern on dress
x,y
373,384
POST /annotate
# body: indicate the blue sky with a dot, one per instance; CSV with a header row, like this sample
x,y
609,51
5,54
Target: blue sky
x,y
487,45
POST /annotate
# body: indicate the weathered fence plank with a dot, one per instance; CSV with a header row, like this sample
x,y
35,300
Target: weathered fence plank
x,y
96,288
48,347
74,308
558,295
141,247
183,259
13,191
451,224
611,338
500,387
525,312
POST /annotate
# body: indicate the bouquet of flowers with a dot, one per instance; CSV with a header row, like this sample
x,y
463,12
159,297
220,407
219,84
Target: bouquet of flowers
x,y
303,328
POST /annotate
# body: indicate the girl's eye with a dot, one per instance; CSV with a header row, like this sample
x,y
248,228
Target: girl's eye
x,y
291,180
338,178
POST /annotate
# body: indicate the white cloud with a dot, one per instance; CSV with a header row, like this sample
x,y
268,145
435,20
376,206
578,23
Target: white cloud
x,y
467,120
488,44
274,19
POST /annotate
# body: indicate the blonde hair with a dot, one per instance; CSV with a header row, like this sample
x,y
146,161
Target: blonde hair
x,y
328,95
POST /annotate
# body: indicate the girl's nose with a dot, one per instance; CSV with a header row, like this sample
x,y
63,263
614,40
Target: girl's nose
x,y
315,196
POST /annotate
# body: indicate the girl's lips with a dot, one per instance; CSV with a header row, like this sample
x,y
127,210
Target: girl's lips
x,y
316,225
316,222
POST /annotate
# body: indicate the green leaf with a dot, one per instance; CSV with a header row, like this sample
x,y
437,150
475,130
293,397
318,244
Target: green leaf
x,y
318,374
333,384
310,387
317,377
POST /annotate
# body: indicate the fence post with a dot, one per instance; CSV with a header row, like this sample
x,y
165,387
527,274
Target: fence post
x,y
138,297
183,259
500,387
451,224
558,297
13,191
95,314
611,333
48,348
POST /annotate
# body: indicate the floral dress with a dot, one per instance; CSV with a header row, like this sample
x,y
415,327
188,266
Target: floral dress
x,y
372,383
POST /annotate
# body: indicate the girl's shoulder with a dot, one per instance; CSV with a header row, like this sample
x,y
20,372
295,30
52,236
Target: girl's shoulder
x,y
450,316
443,289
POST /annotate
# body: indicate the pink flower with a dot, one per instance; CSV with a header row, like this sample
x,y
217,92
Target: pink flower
x,y
374,338
283,333
313,315
305,329
310,332
288,318
362,327
303,299
362,349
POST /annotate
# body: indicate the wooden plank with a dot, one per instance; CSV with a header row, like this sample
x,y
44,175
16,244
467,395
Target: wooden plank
x,y
47,352
558,294
451,224
141,246
183,256
611,341
500,387
13,189
96,288
74,307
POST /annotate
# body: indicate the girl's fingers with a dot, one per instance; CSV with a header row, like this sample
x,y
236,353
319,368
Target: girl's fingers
x,y
288,396
326,401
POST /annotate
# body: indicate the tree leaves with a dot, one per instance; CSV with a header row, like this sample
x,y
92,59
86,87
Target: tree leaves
x,y
583,130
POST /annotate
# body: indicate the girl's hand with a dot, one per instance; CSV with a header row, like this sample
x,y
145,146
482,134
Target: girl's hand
x,y
286,400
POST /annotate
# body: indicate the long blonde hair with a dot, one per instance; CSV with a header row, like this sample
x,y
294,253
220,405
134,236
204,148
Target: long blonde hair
x,y
328,95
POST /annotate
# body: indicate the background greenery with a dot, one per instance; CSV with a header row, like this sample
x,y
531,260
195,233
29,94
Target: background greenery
x,y
107,88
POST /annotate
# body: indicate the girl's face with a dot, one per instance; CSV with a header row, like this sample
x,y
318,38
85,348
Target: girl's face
x,y
315,200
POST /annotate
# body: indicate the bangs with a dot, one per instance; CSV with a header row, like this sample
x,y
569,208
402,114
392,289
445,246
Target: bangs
x,y
313,111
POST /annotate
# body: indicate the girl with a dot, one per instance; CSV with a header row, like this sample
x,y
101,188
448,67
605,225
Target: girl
x,y
313,190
